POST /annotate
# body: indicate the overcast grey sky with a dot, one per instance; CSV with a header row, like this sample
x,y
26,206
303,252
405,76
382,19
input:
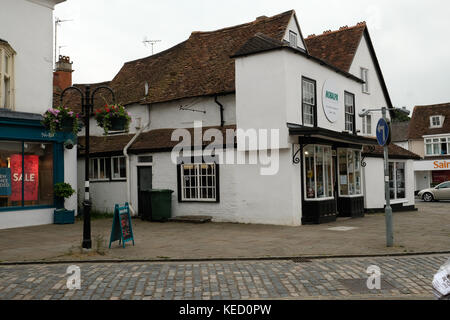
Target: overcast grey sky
x,y
410,37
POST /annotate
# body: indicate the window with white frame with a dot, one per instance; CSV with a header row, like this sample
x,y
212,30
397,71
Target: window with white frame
x,y
308,101
199,182
293,39
118,168
349,100
397,185
349,164
436,121
318,172
6,75
98,169
437,146
367,124
365,78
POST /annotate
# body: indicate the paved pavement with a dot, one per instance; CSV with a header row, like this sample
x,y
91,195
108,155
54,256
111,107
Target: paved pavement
x,y
407,277
427,230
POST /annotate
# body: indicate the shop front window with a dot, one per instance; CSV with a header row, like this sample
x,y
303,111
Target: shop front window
x,y
26,174
349,172
397,180
318,172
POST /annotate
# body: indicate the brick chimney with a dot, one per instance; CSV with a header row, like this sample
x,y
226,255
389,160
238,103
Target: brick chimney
x,y
62,76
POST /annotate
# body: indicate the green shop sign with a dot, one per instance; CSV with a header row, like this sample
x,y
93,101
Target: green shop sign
x,y
332,96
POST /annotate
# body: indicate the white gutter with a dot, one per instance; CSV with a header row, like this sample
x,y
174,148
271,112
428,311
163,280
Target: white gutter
x,y
125,153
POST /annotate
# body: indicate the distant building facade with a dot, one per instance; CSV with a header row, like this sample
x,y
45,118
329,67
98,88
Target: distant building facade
x,y
429,137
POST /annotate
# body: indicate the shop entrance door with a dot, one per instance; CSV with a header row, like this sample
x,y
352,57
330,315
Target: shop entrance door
x,y
144,187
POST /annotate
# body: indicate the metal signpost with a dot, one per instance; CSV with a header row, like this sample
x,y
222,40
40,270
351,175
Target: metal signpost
x,y
383,131
383,138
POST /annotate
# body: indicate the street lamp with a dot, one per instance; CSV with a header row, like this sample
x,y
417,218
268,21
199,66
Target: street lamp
x,y
87,109
384,139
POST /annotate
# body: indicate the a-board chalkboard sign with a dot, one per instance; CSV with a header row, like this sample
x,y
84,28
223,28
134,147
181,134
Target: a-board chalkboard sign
x,y
122,230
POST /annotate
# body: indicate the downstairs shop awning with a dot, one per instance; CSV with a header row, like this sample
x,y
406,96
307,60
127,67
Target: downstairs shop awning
x,y
325,134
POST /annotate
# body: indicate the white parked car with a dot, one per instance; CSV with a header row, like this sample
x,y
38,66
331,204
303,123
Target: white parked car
x,y
440,192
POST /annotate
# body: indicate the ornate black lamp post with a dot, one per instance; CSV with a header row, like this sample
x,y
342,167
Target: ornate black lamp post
x,y
87,107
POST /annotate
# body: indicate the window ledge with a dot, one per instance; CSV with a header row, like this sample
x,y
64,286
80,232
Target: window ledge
x,y
10,209
398,201
320,199
352,196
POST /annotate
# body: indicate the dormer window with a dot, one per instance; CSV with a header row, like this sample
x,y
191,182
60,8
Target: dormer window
x,y
6,75
293,39
436,121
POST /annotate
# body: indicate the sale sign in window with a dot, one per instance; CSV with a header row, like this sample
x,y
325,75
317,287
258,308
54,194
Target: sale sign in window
x,y
30,177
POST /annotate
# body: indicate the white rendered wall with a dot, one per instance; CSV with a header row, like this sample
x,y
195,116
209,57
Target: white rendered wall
x,y
104,195
375,99
403,144
422,180
71,177
261,94
245,195
28,28
269,85
168,114
26,218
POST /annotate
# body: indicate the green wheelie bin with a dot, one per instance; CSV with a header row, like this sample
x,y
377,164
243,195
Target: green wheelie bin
x,y
161,204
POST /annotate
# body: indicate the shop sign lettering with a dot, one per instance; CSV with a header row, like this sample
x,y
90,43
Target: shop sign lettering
x,y
441,165
5,181
30,179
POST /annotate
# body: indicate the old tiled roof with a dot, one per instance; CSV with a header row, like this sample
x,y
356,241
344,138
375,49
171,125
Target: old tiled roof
x,y
198,66
337,47
259,43
105,144
399,131
420,121
161,139
151,141
395,152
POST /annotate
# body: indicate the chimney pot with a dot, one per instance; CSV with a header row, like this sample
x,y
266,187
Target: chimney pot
x,y
62,76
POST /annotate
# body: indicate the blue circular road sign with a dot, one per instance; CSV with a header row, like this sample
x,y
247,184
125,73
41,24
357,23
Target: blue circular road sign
x,y
383,132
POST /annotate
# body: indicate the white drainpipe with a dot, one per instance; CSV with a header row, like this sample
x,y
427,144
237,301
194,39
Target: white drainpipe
x,y
125,153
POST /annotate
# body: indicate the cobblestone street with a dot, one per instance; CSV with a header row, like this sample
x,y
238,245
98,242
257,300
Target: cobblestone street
x,y
407,277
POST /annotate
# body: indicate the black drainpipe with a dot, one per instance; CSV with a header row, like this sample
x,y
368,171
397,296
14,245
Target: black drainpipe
x,y
222,122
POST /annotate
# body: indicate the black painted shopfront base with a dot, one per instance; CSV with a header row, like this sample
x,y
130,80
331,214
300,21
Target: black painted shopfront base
x,y
351,207
318,212
395,208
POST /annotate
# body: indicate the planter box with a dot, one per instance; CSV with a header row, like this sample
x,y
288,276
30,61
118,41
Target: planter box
x,y
62,216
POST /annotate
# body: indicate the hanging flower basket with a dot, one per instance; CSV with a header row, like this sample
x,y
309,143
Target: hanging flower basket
x,y
113,118
61,119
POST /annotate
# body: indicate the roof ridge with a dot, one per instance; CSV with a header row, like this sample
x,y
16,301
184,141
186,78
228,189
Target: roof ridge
x,y
433,105
341,29
91,84
157,54
246,23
